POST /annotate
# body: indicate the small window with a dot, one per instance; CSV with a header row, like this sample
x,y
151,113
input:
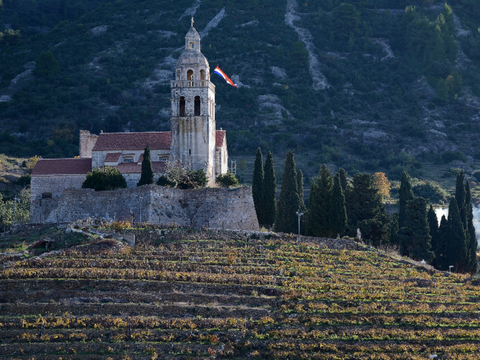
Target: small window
x,y
197,106
182,106
46,195
192,45
128,160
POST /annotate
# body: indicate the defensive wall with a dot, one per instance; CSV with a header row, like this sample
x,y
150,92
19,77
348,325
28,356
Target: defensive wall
x,y
209,207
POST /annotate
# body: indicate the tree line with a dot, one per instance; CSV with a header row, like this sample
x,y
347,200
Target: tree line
x,y
338,205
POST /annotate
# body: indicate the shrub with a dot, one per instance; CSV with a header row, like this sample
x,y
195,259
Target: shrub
x,y
24,180
226,180
431,191
449,156
476,175
107,179
178,175
164,180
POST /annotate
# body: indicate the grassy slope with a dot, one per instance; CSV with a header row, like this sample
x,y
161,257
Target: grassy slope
x,y
193,295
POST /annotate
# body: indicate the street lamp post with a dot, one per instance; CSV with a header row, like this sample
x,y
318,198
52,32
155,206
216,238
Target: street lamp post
x,y
299,216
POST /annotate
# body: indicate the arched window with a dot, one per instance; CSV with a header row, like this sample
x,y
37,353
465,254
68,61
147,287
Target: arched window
x,y
197,106
190,75
202,74
182,106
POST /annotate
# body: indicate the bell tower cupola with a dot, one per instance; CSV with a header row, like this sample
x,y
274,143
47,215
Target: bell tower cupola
x,y
193,109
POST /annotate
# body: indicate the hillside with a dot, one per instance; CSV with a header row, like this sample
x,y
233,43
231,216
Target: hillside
x,y
364,85
189,294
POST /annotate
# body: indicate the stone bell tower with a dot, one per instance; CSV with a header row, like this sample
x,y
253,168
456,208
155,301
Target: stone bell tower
x,y
193,109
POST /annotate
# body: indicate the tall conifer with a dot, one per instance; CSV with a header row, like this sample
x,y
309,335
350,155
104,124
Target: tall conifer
x,y
460,196
312,222
440,256
456,246
257,186
415,235
269,191
325,185
288,202
343,179
405,194
433,226
338,212
147,169
471,233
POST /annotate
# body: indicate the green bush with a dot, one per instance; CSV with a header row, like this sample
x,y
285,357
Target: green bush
x,y
24,180
431,191
476,175
449,156
164,180
226,180
107,179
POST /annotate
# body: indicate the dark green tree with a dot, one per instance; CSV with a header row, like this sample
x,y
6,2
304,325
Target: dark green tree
x,y
338,212
456,247
46,64
288,202
312,221
257,186
434,234
300,190
343,179
470,230
460,196
346,19
366,211
440,256
269,191
147,170
404,194
107,179
415,235
318,223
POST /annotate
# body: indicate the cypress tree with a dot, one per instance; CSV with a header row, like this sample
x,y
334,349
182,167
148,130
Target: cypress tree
x,y
338,212
257,185
366,211
415,235
343,179
440,260
312,222
288,202
147,170
433,225
325,185
460,196
456,246
301,193
269,191
405,194
471,233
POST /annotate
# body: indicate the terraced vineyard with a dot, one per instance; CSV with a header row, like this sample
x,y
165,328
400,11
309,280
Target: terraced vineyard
x,y
196,295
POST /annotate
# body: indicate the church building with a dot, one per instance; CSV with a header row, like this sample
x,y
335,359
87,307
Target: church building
x,y
193,139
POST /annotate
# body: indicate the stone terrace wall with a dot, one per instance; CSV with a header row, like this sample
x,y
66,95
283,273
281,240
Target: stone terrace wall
x,y
209,207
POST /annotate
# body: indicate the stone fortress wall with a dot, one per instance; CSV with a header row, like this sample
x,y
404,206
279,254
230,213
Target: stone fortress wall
x,y
209,207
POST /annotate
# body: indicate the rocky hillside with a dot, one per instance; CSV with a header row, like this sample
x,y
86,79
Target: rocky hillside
x,y
367,85
189,294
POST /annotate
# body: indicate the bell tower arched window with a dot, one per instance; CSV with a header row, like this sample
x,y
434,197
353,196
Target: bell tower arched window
x,y
182,106
202,74
197,106
190,75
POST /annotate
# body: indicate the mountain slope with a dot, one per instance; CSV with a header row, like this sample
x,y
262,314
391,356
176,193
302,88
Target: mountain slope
x,y
365,85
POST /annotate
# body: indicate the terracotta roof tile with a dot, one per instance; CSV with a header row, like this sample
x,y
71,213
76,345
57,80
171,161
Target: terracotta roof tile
x,y
112,157
219,138
62,166
158,140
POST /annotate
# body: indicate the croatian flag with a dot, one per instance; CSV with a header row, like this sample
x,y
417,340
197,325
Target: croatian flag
x,y
224,76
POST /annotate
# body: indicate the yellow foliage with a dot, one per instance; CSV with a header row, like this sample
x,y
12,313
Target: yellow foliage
x,y
381,183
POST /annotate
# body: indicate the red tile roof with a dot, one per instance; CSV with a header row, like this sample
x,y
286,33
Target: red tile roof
x,y
62,167
219,138
134,168
112,157
158,140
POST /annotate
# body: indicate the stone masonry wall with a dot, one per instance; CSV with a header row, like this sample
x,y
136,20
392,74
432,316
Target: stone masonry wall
x,y
209,207
54,184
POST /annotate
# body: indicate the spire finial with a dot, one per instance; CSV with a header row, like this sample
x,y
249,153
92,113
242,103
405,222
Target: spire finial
x,y
192,21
